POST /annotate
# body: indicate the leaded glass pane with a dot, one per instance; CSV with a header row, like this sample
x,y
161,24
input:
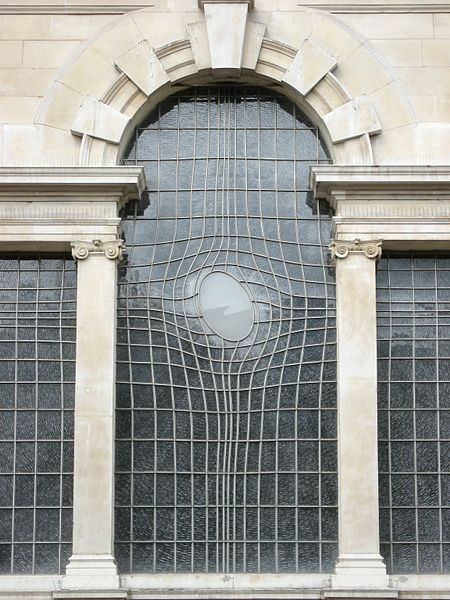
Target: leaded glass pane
x,y
226,372
413,311
37,358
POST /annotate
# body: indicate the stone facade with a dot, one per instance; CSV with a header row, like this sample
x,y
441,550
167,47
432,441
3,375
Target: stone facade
x,y
76,78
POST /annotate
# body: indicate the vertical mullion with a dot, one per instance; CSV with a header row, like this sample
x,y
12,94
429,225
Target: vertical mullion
x,y
414,411
36,439
390,304
438,411
14,475
62,414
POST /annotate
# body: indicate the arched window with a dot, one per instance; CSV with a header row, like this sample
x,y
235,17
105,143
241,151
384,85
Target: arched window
x,y
226,373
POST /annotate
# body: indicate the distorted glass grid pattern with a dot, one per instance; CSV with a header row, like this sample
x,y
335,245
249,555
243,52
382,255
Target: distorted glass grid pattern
x,y
414,412
37,374
226,450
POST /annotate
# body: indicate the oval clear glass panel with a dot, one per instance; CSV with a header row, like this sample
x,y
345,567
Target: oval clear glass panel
x,y
226,306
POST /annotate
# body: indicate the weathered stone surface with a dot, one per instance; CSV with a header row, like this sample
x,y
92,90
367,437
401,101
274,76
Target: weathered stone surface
x,y
352,119
99,120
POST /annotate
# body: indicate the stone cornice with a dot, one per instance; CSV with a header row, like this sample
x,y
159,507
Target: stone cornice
x,y
47,182
95,8
326,180
395,204
46,206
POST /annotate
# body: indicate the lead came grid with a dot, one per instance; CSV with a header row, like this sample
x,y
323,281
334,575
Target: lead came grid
x,y
226,451
37,374
414,412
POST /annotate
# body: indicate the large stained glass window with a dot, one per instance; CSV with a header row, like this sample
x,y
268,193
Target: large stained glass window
x,y
37,380
414,411
226,370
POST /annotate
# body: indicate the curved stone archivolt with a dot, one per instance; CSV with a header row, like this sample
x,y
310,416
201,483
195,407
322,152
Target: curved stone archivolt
x,y
123,72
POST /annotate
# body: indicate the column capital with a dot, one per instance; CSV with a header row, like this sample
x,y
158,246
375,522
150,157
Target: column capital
x,y
111,249
342,248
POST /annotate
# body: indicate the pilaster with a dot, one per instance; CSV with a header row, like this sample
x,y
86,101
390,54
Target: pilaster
x,y
92,565
359,562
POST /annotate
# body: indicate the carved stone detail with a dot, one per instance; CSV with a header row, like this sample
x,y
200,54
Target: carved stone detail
x,y
342,248
112,250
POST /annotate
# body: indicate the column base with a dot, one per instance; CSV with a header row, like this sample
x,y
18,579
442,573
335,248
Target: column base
x,y
360,570
91,572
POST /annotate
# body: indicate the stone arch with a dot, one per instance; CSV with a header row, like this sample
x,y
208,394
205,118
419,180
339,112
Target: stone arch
x,y
124,71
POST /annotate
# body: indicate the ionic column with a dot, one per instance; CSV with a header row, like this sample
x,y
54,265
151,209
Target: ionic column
x,y
359,562
92,564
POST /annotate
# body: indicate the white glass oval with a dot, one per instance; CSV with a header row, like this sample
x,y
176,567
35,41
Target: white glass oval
x,y
226,306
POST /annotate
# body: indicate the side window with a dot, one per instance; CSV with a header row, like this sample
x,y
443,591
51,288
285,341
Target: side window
x,y
414,412
37,380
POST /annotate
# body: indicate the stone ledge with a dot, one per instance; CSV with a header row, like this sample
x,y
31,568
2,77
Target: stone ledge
x,y
324,179
127,181
251,3
91,595
360,594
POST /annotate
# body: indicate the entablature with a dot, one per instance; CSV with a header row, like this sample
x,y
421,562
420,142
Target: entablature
x,y
403,206
49,207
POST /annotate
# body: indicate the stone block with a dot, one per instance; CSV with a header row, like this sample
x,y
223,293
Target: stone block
x,y
25,82
335,39
432,108
393,105
90,74
198,37
132,107
37,145
441,25
142,66
185,5
292,28
401,53
160,31
310,65
425,143
177,59
99,120
25,27
433,80
254,34
352,120
225,25
274,59
393,26
118,39
326,95
362,73
77,27
18,110
70,27
436,53
356,151
62,107
123,95
11,54
47,54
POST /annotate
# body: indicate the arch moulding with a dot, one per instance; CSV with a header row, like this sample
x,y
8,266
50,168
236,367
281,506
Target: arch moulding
x,y
118,76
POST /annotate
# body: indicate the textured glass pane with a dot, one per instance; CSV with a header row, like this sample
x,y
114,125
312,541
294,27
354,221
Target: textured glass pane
x,y
36,437
226,333
413,413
